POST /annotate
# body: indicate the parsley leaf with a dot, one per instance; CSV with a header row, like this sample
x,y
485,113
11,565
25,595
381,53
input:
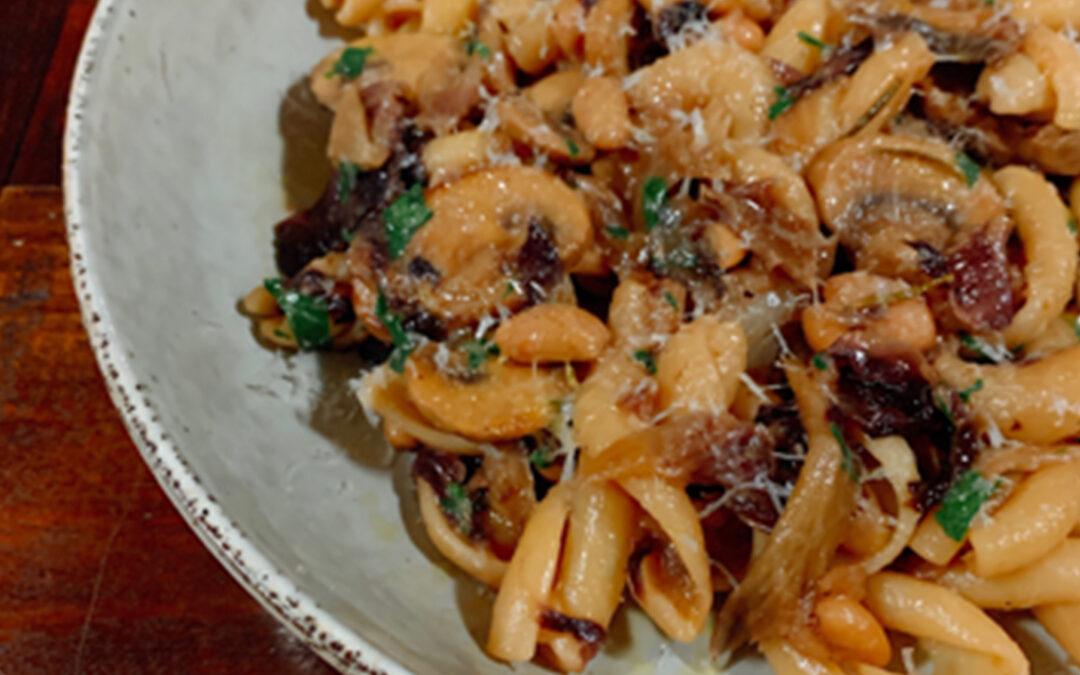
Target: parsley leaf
x,y
819,362
572,147
404,218
457,505
478,351
348,172
812,41
965,395
653,200
474,46
351,63
308,317
617,232
962,502
645,358
348,236
784,100
968,167
403,343
1074,323
943,405
848,465
540,460
670,299
1072,226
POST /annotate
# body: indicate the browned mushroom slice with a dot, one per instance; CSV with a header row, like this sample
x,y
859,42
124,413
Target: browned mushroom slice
x,y
855,105
496,237
880,193
500,401
966,36
527,124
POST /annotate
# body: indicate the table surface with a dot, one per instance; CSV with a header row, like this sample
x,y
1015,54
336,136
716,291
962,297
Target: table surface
x,y
98,572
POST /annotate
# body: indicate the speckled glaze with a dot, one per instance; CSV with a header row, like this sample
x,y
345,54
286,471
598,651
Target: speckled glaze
x,y
172,174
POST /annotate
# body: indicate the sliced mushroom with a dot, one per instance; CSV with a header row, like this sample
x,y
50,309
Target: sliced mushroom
x,y
967,35
881,193
858,104
496,237
527,124
501,401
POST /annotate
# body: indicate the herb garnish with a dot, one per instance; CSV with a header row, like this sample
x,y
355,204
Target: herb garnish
x,y
645,358
457,505
478,351
348,172
962,502
474,46
572,147
670,299
819,361
351,63
653,200
617,232
812,41
848,464
968,167
965,395
404,218
308,317
784,100
403,343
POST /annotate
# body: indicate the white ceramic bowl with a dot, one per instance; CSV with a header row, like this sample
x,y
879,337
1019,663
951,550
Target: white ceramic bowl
x,y
174,167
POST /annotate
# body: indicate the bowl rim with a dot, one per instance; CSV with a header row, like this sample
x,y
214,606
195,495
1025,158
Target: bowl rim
x,y
335,643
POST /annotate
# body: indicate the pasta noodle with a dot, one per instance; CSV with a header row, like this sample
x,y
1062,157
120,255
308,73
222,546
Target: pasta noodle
x,y
751,309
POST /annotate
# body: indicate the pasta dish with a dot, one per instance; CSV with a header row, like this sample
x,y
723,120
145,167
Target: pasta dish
x,y
757,314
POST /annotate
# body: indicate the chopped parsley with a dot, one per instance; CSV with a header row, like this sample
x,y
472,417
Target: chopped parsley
x,y
403,343
348,172
962,502
965,395
474,46
941,404
404,218
784,100
819,361
653,200
572,147
645,358
539,459
457,505
478,351
348,236
670,299
1072,226
351,63
848,464
812,41
509,290
968,167
308,317
617,232
1074,323
973,346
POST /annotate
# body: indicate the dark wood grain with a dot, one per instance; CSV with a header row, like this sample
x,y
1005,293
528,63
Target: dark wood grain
x,y
28,34
98,572
38,159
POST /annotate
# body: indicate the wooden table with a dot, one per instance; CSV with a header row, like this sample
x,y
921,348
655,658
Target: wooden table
x,y
98,572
